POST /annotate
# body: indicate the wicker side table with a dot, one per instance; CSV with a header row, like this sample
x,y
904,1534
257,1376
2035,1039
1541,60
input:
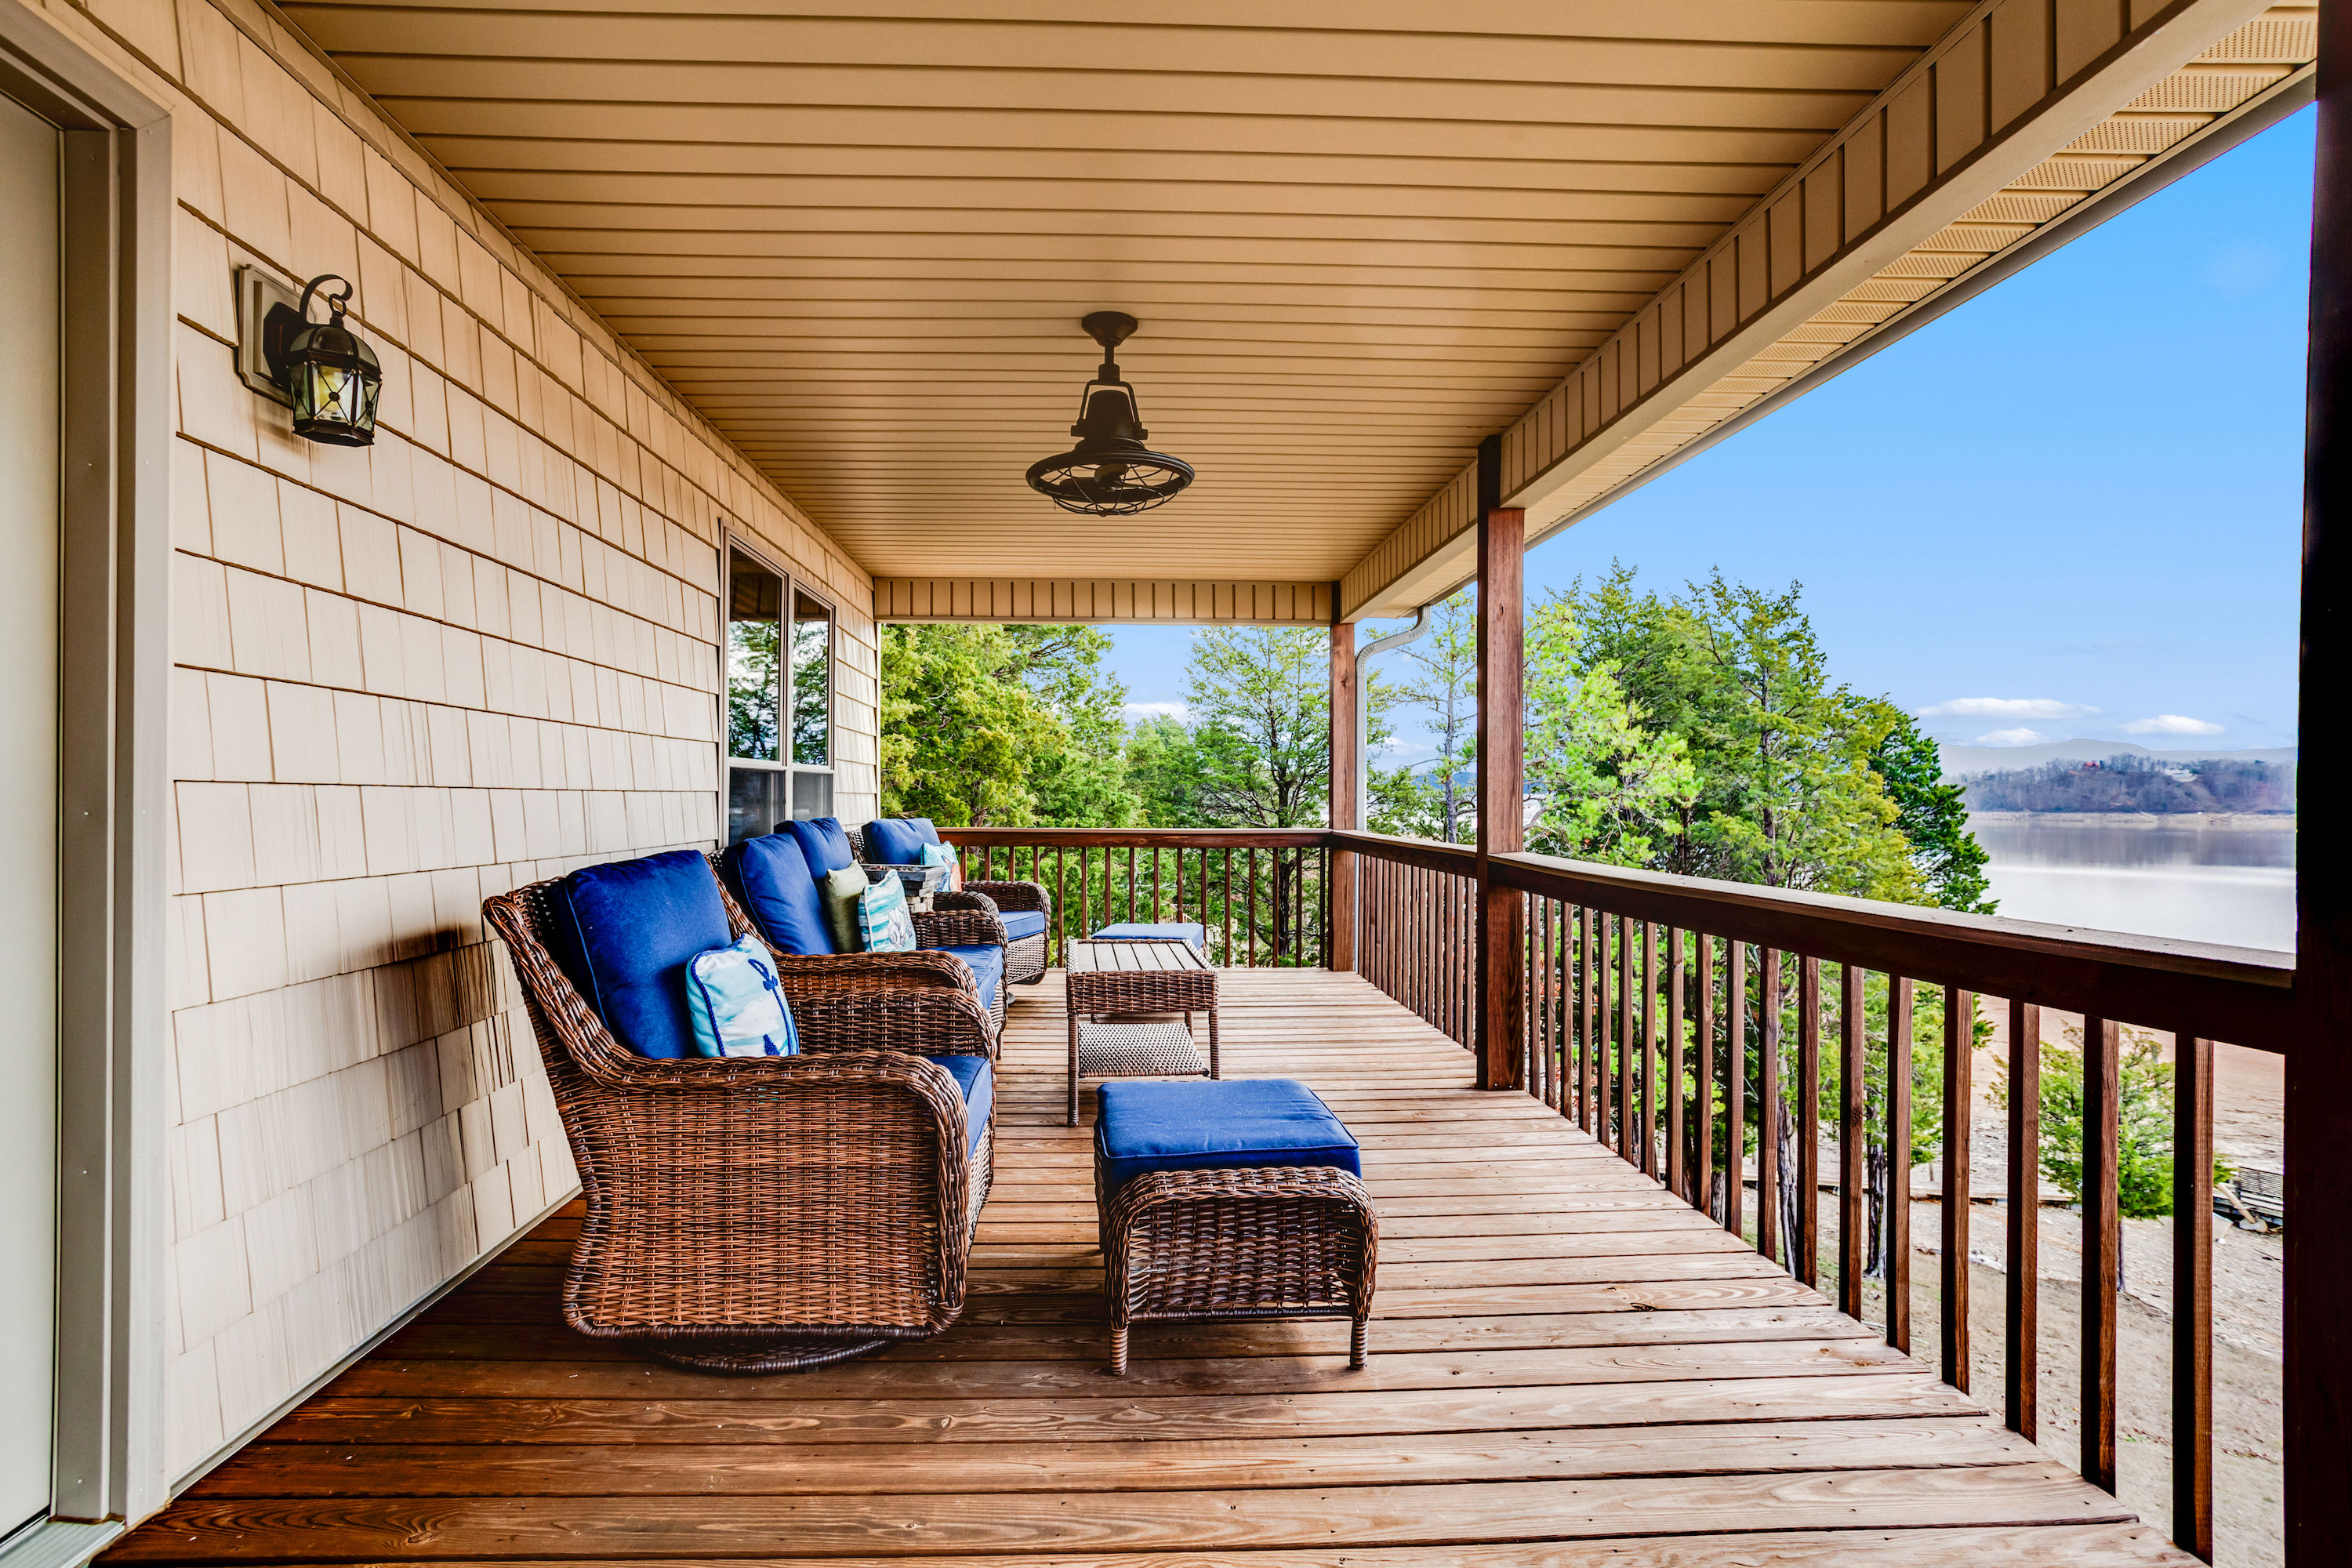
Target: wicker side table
x,y
1146,985
1262,1242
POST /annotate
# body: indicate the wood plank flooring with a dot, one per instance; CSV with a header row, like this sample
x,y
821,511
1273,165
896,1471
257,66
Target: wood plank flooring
x,y
1567,1366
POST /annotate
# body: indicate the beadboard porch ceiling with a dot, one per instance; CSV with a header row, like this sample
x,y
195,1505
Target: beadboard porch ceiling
x,y
1361,235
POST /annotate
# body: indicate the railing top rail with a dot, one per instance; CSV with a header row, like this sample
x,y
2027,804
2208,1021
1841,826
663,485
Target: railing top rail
x,y
1143,837
1432,854
2240,994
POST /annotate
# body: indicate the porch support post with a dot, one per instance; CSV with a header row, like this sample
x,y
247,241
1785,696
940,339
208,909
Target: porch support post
x,y
1346,763
2319,1062
1502,919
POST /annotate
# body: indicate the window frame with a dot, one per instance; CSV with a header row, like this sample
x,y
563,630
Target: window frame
x,y
732,544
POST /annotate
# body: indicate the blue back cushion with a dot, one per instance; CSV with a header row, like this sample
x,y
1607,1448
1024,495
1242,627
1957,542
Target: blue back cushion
x,y
770,879
627,930
893,842
823,841
923,828
1204,1126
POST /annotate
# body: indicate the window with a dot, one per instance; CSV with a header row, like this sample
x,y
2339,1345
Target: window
x,y
779,699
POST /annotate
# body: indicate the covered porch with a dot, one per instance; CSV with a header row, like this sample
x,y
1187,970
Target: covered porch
x,y
1563,1355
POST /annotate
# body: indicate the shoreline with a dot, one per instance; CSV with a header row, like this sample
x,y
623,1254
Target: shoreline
x,y
2202,821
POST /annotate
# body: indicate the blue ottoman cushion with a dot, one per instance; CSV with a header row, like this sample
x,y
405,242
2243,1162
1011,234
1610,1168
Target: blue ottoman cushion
x,y
973,1076
1022,923
1237,1124
1163,931
626,933
987,963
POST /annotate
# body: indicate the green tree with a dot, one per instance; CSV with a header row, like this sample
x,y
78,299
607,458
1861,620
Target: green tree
x,y
1611,787
1933,817
1441,677
1001,724
2143,1120
1260,703
1163,769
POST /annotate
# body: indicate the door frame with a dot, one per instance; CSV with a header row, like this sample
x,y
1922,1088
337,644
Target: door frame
x,y
113,779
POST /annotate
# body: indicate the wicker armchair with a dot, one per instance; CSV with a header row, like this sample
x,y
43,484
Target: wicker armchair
x,y
1024,957
754,1215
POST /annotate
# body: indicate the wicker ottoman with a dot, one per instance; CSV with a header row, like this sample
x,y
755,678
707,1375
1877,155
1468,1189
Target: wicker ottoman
x,y
1243,1198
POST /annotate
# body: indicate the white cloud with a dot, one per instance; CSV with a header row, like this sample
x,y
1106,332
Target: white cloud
x,y
2020,736
1157,711
2172,724
2006,707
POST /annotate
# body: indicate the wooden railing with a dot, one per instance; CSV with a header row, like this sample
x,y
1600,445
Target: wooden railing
x,y
1682,1021
1417,931
1261,893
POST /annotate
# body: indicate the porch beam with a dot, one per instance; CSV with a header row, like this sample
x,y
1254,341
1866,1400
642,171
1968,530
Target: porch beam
x,y
1130,600
2319,1060
2024,115
1347,765
1502,919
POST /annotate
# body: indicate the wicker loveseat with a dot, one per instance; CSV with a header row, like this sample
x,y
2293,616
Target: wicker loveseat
x,y
1026,909
753,1214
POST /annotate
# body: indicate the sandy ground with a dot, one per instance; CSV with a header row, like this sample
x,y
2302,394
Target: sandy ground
x,y
2248,1308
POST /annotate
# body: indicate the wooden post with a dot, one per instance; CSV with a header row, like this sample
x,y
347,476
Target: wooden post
x,y
2319,1064
1502,923
1346,764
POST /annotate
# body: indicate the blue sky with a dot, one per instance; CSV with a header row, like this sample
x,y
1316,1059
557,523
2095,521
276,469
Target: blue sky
x,y
2071,507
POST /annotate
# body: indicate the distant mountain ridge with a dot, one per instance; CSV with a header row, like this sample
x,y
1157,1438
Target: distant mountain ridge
x,y
1968,762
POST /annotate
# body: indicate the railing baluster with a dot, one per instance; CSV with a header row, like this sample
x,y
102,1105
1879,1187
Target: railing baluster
x,y
1735,1088
1061,907
1853,1114
2102,1246
1767,1104
1959,1095
1677,1176
1898,1162
2022,1370
1249,924
1807,1243
2192,1295
1650,1048
1703,1161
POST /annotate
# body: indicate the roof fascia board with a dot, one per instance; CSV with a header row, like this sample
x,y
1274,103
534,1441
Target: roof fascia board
x,y
1623,390
1131,601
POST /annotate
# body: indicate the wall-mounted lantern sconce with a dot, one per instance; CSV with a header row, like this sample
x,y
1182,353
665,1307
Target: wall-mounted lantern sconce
x,y
323,370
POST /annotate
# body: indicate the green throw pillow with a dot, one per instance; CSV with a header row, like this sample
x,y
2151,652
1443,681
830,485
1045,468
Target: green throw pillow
x,y
843,890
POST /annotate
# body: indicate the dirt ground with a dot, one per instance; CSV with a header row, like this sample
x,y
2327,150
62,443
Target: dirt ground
x,y
2248,1307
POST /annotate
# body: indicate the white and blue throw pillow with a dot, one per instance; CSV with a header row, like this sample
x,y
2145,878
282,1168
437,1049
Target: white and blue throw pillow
x,y
882,918
945,855
737,1008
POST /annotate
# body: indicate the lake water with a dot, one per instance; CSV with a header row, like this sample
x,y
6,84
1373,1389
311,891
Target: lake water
x,y
2202,878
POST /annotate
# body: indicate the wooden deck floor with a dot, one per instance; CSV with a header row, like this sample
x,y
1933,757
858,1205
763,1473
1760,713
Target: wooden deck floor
x,y
1568,1367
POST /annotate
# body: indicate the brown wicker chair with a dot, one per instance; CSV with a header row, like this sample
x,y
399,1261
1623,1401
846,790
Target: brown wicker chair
x,y
751,1215
1024,959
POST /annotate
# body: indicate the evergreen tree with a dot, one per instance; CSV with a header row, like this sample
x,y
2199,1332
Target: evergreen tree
x,y
1611,787
1933,817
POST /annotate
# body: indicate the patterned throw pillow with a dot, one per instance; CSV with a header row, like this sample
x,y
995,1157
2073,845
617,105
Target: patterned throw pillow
x,y
842,890
945,855
882,918
737,1008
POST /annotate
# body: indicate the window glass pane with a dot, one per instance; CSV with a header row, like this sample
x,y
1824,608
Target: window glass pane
x,y
755,802
755,629
812,796
812,681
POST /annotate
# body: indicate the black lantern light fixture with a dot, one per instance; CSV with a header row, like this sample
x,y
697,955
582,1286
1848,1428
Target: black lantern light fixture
x,y
1109,473
323,369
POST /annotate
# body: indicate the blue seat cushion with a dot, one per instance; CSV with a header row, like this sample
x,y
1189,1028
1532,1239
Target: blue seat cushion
x,y
770,878
1021,923
973,1077
987,964
1164,931
891,842
1236,1124
823,841
626,933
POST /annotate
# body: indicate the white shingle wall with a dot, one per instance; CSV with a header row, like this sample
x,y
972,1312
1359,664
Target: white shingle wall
x,y
408,677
